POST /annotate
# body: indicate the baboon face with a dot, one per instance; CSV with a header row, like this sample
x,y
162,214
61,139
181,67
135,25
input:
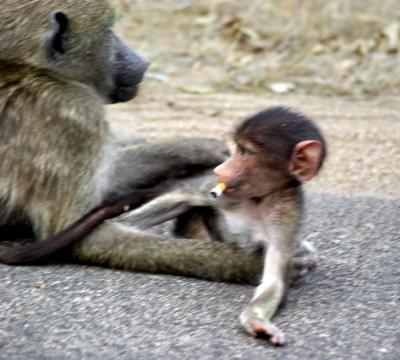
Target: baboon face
x,y
74,40
275,148
128,71
108,63
248,174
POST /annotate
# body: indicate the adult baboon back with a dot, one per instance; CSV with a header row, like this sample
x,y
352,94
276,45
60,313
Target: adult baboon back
x,y
59,64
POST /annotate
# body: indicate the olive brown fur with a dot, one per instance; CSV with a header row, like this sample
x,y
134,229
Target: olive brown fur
x,y
60,63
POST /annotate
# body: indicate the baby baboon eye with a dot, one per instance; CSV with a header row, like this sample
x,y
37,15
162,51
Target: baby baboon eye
x,y
242,150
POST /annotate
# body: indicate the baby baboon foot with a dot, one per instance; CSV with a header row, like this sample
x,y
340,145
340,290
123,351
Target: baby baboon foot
x,y
255,326
303,263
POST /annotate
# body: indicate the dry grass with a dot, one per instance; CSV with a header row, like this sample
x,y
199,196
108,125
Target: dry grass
x,y
314,46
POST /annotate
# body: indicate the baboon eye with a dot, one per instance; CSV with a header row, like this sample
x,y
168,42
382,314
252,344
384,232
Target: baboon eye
x,y
241,150
244,150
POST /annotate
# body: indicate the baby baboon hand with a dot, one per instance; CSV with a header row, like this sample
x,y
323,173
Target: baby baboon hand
x,y
256,325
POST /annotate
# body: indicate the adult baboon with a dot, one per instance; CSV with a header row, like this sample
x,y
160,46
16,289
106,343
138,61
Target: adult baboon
x,y
59,64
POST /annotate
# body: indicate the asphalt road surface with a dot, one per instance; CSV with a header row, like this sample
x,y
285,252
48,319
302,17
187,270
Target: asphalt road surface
x,y
348,308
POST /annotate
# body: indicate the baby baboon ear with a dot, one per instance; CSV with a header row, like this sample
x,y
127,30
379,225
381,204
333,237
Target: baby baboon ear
x,y
56,38
305,161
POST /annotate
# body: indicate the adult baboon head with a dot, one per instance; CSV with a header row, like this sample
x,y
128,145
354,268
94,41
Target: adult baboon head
x,y
74,40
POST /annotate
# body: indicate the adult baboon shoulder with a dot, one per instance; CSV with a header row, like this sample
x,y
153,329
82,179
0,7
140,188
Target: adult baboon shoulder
x,y
60,63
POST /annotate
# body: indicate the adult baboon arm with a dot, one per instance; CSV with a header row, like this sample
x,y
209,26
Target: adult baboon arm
x,y
114,245
145,165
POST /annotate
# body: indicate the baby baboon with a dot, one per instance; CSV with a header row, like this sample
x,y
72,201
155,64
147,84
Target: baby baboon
x,y
59,64
259,204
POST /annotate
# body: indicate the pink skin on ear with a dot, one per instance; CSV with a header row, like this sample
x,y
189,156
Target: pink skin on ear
x,y
304,163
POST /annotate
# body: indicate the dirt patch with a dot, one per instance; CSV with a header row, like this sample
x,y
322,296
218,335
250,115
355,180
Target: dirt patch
x,y
306,47
363,136
203,52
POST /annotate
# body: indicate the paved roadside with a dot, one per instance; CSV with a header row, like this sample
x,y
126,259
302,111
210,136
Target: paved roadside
x,y
346,309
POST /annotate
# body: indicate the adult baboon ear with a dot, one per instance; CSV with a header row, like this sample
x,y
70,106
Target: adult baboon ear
x,y
56,38
305,160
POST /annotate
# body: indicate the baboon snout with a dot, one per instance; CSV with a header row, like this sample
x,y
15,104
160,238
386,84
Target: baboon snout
x,y
227,172
128,71
129,66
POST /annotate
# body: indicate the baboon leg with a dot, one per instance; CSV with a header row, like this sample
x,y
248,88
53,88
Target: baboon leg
x,y
163,208
194,217
49,219
199,223
76,231
117,246
304,261
148,164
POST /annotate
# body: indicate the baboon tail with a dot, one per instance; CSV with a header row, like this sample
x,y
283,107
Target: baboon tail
x,y
40,250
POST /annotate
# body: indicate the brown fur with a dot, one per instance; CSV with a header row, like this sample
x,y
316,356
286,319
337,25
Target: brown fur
x,y
261,208
59,158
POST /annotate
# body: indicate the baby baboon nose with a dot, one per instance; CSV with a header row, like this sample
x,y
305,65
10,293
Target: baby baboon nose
x,y
220,173
216,170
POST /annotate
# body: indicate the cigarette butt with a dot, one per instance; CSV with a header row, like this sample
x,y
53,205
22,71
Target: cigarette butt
x,y
218,190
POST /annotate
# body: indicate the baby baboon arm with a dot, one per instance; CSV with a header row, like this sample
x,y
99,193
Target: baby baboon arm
x,y
256,317
148,164
117,246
